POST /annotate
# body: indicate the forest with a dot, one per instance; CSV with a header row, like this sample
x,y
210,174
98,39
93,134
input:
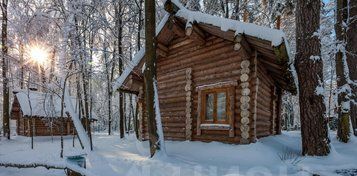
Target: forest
x,y
178,87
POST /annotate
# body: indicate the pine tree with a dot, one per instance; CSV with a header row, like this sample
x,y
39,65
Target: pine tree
x,y
149,74
343,127
351,48
309,68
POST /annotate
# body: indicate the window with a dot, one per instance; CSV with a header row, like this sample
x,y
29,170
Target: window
x,y
215,109
215,106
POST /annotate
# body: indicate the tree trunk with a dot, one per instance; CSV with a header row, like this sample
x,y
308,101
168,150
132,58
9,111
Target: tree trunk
x,y
352,58
119,26
245,13
313,124
150,74
194,5
136,121
140,22
227,8
5,87
21,52
236,10
343,126
109,75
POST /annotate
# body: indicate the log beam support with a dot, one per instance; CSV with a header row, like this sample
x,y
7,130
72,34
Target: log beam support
x,y
245,102
188,89
194,32
239,42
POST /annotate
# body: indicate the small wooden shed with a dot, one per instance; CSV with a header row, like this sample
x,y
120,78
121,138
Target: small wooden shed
x,y
41,112
218,79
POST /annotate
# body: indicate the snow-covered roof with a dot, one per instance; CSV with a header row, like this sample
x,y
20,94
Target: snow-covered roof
x,y
276,37
39,104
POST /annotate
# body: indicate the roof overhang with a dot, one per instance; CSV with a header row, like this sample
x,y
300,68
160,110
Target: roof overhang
x,y
270,44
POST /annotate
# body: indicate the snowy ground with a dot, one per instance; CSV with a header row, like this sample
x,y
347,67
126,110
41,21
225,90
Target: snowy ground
x,y
277,155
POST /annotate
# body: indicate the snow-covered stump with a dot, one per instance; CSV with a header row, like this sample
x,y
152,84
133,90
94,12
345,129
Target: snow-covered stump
x,y
245,100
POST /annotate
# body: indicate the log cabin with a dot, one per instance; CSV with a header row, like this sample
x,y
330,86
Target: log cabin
x,y
41,112
218,79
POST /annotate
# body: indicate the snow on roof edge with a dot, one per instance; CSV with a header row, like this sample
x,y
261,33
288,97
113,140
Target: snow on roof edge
x,y
276,37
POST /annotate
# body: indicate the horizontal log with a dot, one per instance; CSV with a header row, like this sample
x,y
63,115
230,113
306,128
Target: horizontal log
x,y
173,130
176,125
231,58
169,89
170,75
217,76
263,134
263,123
210,138
170,85
180,44
175,138
192,47
195,56
170,105
174,119
180,79
173,114
190,59
173,94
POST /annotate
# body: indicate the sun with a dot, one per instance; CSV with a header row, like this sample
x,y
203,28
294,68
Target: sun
x,y
39,54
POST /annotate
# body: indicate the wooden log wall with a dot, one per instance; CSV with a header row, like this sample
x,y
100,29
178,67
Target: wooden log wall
x,y
42,126
175,96
212,62
190,64
266,104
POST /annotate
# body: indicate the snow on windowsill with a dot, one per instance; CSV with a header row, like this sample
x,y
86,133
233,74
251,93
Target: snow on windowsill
x,y
215,126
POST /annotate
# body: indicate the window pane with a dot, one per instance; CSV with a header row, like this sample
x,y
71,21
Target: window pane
x,y
221,106
209,106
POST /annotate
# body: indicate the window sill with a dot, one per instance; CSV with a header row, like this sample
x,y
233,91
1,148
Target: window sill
x,y
214,126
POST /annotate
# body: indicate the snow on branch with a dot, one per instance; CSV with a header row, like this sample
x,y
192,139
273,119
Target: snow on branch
x,y
61,166
76,121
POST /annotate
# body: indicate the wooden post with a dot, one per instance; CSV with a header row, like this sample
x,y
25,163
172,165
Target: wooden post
x,y
256,93
188,89
245,99
141,113
199,109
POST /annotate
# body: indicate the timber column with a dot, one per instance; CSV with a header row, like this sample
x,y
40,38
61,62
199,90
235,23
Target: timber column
x,y
244,100
188,89
140,107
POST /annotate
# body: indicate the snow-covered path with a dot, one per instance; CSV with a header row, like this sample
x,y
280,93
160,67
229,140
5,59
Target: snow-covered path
x,y
277,155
